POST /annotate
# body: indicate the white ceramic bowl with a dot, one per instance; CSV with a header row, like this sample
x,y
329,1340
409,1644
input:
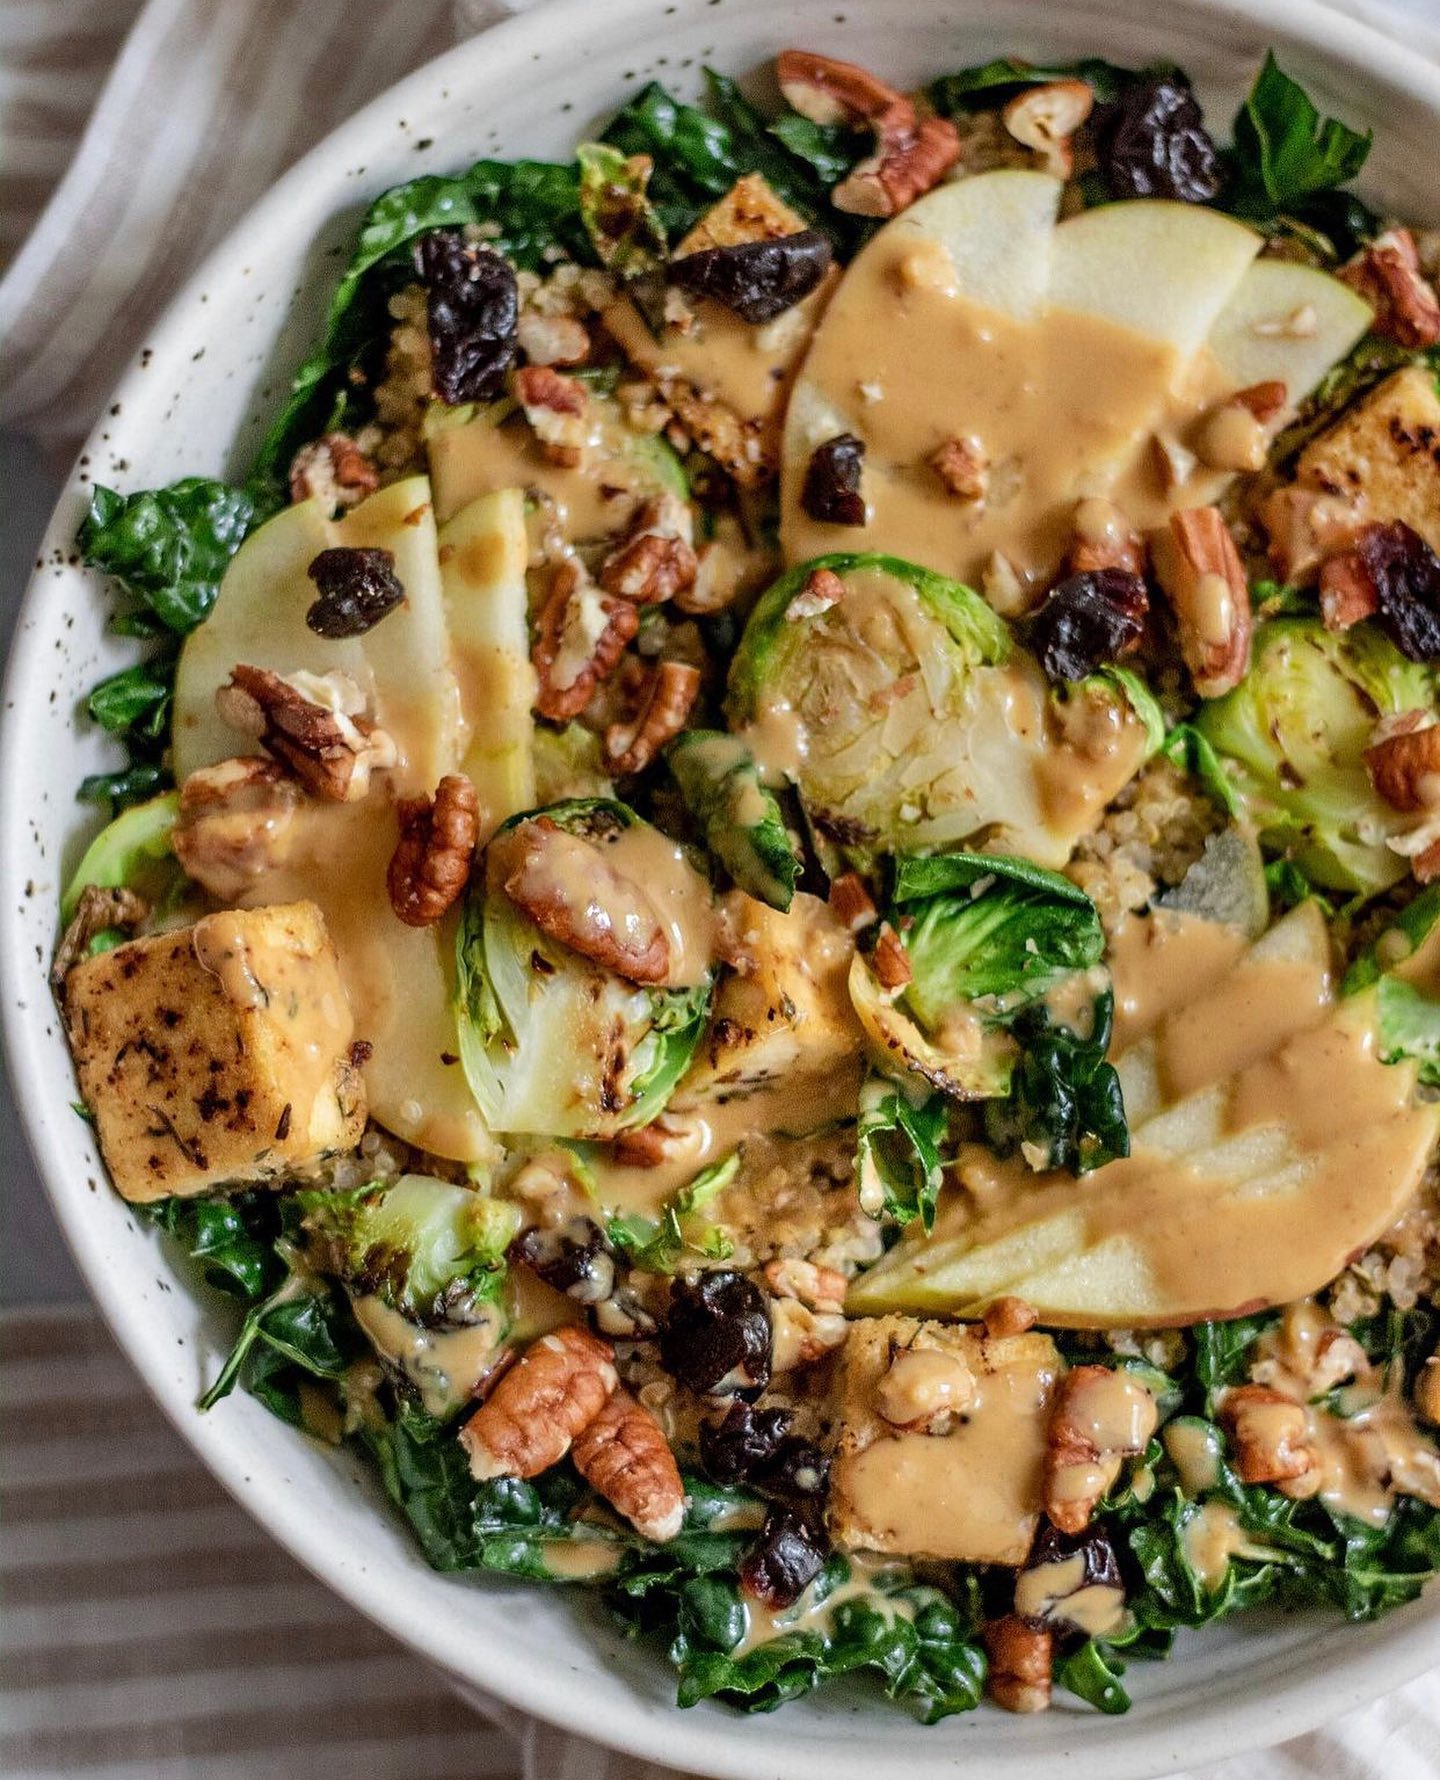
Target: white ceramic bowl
x,y
195,402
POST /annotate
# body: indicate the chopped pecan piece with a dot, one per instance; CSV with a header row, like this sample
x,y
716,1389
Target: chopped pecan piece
x,y
552,339
1021,1655
1236,433
234,823
1044,118
556,407
333,469
889,960
1200,569
552,1393
1386,272
314,724
1304,527
963,466
1104,539
572,893
823,589
1099,1417
1347,594
925,1389
666,702
912,153
430,866
657,560
623,1454
1271,1436
852,902
100,909
1010,1316
816,1287
647,1146
1267,401
580,636
1403,761
801,1336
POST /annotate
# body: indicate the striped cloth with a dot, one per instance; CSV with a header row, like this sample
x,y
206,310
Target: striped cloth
x,y
150,1630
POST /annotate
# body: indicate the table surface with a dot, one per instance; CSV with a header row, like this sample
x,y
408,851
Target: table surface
x,y
35,1266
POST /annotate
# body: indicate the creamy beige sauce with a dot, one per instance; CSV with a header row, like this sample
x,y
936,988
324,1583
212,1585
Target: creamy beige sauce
x,y
446,1366
582,1560
1160,963
1195,1449
597,497
397,978
972,1494
222,945
1089,1607
1373,1450
762,1623
1211,1536
1064,407
679,896
885,721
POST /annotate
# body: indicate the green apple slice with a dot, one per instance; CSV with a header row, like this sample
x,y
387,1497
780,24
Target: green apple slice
x,y
483,555
996,230
1286,322
1160,269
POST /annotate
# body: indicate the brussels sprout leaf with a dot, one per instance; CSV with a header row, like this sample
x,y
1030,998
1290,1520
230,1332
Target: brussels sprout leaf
x,y
740,818
898,1166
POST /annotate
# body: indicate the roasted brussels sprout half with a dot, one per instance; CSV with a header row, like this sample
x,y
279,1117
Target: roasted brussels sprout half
x,y
741,819
578,1001
1293,736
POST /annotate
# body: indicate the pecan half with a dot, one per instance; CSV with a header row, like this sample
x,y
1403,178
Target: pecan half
x,y
574,895
1347,594
1021,1656
1044,118
1270,1432
963,466
1386,272
552,1393
580,636
556,407
666,701
1100,1417
234,823
1200,570
333,469
1403,761
889,960
624,1455
912,153
99,910
657,559
430,866
313,724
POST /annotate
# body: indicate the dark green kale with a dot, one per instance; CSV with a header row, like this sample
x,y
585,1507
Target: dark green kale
x,y
1285,157
1064,1097
991,83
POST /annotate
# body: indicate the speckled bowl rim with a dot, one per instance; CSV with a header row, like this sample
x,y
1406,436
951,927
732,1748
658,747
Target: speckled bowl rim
x,y
1392,1653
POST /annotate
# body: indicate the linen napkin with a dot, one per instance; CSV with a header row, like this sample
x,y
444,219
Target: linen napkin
x,y
151,1631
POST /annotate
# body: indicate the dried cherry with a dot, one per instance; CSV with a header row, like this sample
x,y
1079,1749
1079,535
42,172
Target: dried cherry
x,y
474,306
357,589
832,482
716,1336
1153,144
758,280
787,1557
797,1471
1089,619
1405,574
575,1259
743,1442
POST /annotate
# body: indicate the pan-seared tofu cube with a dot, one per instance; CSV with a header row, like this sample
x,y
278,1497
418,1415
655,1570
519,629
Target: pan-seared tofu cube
x,y
216,1055
942,1440
1383,454
783,1012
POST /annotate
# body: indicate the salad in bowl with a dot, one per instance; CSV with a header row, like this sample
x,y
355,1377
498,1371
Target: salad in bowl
x,y
770,906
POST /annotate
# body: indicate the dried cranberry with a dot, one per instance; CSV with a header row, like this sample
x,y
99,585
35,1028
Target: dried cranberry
x,y
832,482
785,1559
716,1337
474,306
757,279
733,1449
357,589
1405,573
1153,144
798,1471
1089,619
575,1259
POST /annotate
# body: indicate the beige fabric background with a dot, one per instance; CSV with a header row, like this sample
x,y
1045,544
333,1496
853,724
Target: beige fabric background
x,y
150,1631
